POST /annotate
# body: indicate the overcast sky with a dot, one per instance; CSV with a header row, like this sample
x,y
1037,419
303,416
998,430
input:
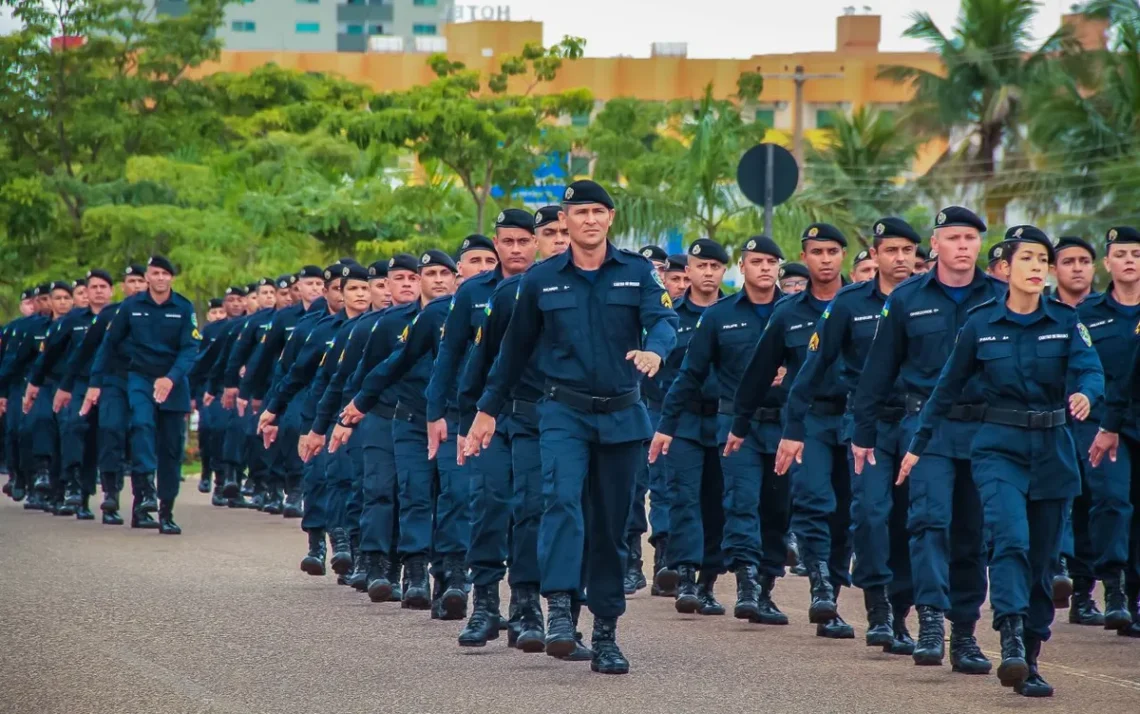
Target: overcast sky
x,y
721,28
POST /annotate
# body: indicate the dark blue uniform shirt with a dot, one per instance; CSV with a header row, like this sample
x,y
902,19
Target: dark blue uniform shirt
x,y
697,420
260,372
1114,329
244,344
309,358
408,367
385,337
332,400
82,361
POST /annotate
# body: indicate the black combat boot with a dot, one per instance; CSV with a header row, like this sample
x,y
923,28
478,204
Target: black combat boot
x,y
417,593
709,604
437,586
83,511
965,655
903,643
1062,585
1133,630
142,519
274,501
769,613
661,573
931,647
314,562
1116,613
18,492
688,601
7,488
560,640
358,578
1084,610
880,625
42,484
792,556
483,625
836,628
73,492
145,492
1013,669
454,597
532,637
607,659
376,581
166,524
580,653
823,608
248,488
341,561
747,594
111,483
219,499
204,481
230,486
514,617
292,506
1034,684
398,584
634,572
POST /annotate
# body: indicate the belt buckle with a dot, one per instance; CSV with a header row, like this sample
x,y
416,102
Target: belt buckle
x,y
598,404
1040,420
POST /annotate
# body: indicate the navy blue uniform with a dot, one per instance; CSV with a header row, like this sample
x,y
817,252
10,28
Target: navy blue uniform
x,y
209,419
1024,460
593,426
247,445
23,344
915,335
756,501
159,340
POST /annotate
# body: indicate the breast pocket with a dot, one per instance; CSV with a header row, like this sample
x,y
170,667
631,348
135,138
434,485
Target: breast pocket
x,y
926,337
560,314
1052,359
622,319
997,362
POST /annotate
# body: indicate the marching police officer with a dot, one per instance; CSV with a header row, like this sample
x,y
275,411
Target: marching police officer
x,y
862,267
1018,350
584,314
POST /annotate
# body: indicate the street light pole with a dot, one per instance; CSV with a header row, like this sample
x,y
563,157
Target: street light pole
x,y
800,78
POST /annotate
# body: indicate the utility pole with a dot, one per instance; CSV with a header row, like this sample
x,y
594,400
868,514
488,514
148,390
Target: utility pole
x,y
800,78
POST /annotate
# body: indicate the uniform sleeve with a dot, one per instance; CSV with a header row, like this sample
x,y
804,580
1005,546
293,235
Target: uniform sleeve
x,y
55,345
452,347
1121,398
85,353
658,318
417,341
488,341
1085,366
260,367
330,403
331,360
117,332
300,372
188,341
518,345
243,347
885,356
758,375
825,347
695,367
955,375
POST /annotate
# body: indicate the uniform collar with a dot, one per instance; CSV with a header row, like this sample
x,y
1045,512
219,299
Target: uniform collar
x,y
980,278
685,300
1049,309
612,253
742,296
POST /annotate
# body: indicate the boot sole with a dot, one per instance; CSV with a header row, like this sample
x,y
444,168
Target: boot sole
x,y
169,531
341,563
112,523
667,580
1012,672
898,648
926,660
878,640
746,612
608,670
108,506
229,492
531,643
687,605
312,567
1094,622
472,643
1034,692
560,647
1117,621
822,613
417,602
971,669
84,516
769,620
378,591
1062,591
454,605
711,611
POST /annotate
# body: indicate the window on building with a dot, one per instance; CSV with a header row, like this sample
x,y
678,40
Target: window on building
x,y
375,29
580,119
308,2
350,29
243,26
825,118
425,3
353,2
579,165
308,28
767,117
421,29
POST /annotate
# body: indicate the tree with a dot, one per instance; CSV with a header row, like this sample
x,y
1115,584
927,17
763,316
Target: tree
x,y
472,125
989,67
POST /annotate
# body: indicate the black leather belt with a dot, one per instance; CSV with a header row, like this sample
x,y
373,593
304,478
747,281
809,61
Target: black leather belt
x,y
403,413
828,407
383,411
705,408
653,404
958,412
891,415
523,409
1025,419
590,403
764,415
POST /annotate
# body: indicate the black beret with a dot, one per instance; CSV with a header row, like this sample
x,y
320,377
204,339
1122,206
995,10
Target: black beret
x,y
1122,234
958,216
1075,242
515,218
707,249
863,255
251,289
61,285
437,257
239,290
292,278
28,294
1025,234
403,261
43,289
264,281
655,253
794,270
82,282
586,191
348,261
101,274
546,214
214,303
676,263
765,245
353,271
922,252
891,227
475,241
284,281
310,271
379,269
159,261
332,272
824,231
135,269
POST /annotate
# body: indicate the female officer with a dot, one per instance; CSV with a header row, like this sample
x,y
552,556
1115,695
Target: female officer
x,y
1024,460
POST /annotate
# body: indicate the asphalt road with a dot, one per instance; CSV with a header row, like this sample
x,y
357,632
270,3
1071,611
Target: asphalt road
x,y
104,619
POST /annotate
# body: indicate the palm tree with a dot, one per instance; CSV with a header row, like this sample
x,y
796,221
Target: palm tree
x,y
989,65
